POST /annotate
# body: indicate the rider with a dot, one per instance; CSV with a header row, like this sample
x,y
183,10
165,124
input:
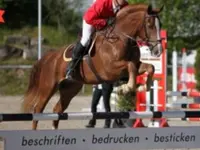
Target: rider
x,y
96,17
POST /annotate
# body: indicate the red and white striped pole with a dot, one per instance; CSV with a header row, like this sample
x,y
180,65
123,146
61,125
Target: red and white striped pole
x,y
184,70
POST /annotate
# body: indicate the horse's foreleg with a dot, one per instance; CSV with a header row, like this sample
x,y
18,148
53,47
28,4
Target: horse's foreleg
x,y
149,68
131,85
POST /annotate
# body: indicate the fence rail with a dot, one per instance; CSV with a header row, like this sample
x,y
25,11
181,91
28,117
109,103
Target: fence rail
x,y
15,66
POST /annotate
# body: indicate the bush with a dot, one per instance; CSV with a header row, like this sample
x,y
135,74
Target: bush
x,y
126,102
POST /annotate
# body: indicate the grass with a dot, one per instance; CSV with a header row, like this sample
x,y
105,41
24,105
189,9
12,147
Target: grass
x,y
52,36
15,81
17,61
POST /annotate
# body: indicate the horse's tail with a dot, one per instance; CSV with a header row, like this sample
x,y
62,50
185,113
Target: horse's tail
x,y
32,91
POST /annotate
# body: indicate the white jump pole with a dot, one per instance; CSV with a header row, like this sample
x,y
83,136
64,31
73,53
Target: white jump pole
x,y
174,73
155,93
39,28
155,88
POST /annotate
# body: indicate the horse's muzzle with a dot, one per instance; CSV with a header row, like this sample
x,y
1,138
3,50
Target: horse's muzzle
x,y
156,50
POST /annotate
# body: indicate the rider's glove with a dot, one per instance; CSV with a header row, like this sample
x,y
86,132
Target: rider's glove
x,y
110,21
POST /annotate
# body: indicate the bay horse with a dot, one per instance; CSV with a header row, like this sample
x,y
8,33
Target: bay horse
x,y
113,54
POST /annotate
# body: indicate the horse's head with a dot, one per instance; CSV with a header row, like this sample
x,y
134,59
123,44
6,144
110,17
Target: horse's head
x,y
142,21
151,30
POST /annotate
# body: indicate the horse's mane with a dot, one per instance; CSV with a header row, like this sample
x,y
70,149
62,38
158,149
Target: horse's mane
x,y
131,8
123,13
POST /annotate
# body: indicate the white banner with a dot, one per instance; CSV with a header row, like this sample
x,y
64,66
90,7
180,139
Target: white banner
x,y
146,57
103,139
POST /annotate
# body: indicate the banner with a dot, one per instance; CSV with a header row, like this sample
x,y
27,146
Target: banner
x,y
103,139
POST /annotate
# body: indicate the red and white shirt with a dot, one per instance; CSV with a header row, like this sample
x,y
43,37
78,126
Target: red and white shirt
x,y
97,14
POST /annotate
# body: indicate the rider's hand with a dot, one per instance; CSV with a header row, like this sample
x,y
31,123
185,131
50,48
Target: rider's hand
x,y
110,21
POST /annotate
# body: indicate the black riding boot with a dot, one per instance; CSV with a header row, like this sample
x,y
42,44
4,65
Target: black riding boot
x,y
77,54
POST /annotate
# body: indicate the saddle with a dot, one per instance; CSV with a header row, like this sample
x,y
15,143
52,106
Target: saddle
x,y
89,48
88,53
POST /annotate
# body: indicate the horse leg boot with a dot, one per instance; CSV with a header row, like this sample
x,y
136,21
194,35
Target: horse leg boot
x,y
77,54
131,85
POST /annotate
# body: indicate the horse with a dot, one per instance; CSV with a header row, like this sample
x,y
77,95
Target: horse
x,y
113,53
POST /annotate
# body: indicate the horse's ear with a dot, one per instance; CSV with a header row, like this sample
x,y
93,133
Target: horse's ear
x,y
161,9
150,10
157,11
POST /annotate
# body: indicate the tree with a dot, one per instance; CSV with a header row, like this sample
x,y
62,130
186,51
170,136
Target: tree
x,y
182,21
58,13
19,13
182,18
62,14
1,4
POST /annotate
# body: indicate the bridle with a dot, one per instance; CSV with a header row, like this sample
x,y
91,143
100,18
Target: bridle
x,y
150,43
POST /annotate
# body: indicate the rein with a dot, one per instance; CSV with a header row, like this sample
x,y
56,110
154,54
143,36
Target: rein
x,y
147,41
108,30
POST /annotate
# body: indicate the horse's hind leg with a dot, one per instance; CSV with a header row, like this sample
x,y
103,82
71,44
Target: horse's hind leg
x,y
66,94
43,98
149,68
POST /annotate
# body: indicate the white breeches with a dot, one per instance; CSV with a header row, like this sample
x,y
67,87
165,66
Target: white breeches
x,y
86,33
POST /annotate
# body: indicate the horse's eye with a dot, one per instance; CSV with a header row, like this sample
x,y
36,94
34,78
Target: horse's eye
x,y
150,22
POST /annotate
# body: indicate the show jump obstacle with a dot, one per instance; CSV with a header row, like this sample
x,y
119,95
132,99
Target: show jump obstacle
x,y
99,115
101,139
143,97
157,98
